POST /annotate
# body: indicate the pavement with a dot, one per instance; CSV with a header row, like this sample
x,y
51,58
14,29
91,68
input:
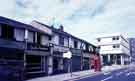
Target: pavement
x,y
82,75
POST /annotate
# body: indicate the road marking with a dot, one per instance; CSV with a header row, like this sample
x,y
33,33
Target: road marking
x,y
86,76
126,70
118,74
110,77
130,73
106,73
127,74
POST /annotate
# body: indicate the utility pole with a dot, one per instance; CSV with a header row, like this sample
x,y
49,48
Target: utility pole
x,y
81,56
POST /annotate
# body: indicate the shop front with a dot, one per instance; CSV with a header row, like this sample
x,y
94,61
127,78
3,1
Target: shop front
x,y
36,62
11,64
59,63
76,59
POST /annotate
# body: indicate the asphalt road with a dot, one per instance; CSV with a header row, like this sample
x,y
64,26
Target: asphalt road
x,y
127,74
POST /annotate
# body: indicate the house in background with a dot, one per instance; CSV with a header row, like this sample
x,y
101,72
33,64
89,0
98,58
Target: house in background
x,y
114,49
132,49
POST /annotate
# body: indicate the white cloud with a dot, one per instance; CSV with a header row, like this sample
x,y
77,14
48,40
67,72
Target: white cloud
x,y
7,8
83,18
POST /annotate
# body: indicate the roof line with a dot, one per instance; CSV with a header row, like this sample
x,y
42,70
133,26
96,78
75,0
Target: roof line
x,y
55,29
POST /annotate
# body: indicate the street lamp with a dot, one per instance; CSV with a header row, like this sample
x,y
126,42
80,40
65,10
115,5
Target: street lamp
x,y
68,55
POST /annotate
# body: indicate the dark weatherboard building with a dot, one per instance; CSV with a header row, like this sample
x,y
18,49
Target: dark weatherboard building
x,y
37,49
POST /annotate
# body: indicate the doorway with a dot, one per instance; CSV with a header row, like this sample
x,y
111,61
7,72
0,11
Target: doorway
x,y
55,65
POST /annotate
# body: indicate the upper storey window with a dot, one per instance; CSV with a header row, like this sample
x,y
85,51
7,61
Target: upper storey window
x,y
116,46
75,44
98,39
115,38
61,40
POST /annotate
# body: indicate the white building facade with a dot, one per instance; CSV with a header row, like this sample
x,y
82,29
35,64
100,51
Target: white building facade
x,y
114,49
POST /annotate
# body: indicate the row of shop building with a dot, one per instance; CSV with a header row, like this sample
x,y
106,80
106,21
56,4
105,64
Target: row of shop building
x,y
37,49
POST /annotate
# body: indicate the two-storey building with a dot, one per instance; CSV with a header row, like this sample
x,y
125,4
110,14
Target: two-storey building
x,y
37,49
24,47
63,42
114,49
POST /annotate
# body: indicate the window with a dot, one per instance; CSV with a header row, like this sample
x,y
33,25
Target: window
x,y
39,38
31,36
115,38
87,47
116,46
19,34
91,48
7,31
61,40
75,44
45,40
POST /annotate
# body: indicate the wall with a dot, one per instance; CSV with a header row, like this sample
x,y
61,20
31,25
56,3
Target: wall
x,y
107,40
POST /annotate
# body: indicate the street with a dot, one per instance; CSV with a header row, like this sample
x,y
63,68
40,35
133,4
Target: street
x,y
127,74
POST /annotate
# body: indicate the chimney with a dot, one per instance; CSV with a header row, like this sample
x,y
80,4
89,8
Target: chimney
x,y
52,26
61,28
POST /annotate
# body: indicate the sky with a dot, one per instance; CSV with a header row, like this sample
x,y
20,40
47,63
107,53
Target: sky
x,y
83,18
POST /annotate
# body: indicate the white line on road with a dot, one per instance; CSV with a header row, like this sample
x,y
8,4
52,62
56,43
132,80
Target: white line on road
x,y
127,74
110,77
126,70
118,74
106,73
130,73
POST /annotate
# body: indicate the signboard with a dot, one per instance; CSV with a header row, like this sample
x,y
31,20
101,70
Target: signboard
x,y
67,55
61,49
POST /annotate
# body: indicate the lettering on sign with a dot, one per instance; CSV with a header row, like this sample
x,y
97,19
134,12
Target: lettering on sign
x,y
60,48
